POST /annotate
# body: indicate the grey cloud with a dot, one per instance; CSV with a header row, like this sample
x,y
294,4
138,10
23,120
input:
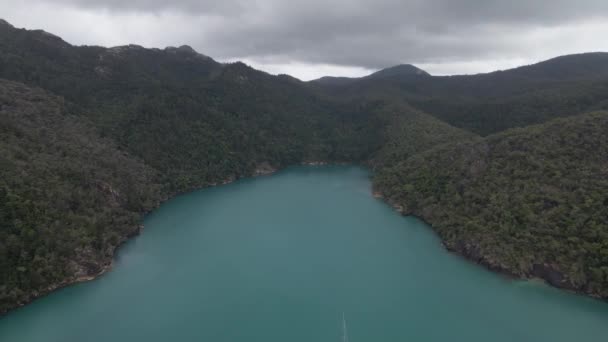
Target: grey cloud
x,y
418,10
156,6
365,33
375,34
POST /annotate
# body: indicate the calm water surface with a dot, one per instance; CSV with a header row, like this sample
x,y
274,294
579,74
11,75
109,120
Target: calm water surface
x,y
280,258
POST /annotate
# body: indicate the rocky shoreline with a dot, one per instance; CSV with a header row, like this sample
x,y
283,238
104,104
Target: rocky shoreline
x,y
546,273
81,275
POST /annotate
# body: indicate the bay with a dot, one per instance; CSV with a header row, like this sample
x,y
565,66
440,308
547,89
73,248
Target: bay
x,y
282,258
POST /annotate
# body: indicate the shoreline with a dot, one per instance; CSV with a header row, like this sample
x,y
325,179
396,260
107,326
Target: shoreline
x,y
64,284
263,169
480,260
267,170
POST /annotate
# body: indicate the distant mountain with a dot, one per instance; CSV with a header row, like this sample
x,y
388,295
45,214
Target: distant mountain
x,y
492,102
577,67
570,67
402,70
395,72
496,101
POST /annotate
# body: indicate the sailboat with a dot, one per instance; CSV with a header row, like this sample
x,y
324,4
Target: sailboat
x,y
344,331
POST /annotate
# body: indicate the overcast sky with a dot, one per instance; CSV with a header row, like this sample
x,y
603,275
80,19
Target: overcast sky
x,y
312,38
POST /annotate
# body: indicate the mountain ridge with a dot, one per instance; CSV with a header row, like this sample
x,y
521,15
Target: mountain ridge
x,y
403,69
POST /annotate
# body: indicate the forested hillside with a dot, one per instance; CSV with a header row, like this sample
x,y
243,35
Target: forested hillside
x,y
91,138
530,201
486,116
216,121
409,132
493,102
68,197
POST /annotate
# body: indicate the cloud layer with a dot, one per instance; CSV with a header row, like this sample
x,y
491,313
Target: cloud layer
x,y
348,37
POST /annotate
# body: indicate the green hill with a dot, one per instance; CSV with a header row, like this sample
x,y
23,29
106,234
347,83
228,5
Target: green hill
x,y
493,102
532,202
68,197
217,121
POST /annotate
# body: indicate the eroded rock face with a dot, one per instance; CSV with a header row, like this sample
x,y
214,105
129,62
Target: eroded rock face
x,y
551,275
264,168
112,194
547,272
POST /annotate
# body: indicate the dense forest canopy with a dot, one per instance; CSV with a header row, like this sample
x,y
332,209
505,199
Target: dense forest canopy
x,y
531,201
93,137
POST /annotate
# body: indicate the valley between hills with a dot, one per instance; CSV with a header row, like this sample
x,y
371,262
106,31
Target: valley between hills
x,y
510,168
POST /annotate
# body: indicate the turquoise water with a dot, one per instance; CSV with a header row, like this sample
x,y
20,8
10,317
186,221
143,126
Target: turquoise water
x,y
280,258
